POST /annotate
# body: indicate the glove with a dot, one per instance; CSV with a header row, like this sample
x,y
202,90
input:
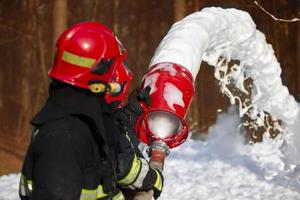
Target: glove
x,y
144,195
129,114
147,194
142,95
158,184
137,96
126,117
118,195
134,172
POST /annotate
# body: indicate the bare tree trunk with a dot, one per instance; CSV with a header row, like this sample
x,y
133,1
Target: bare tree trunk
x,y
254,131
298,62
59,18
116,16
179,9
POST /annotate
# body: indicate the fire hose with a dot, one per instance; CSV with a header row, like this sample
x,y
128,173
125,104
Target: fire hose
x,y
162,125
157,152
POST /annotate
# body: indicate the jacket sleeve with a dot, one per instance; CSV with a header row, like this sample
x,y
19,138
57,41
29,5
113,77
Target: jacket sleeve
x,y
57,166
134,172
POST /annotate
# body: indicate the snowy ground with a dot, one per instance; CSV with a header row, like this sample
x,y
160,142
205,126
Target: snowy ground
x,y
9,187
221,168
224,168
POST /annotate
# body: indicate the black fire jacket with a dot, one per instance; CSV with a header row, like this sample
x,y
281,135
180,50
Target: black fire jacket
x,y
81,149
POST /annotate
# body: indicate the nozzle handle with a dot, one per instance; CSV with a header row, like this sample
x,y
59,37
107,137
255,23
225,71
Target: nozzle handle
x,y
157,160
158,151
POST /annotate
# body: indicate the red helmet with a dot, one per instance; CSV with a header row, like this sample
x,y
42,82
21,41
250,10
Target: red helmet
x,y
90,56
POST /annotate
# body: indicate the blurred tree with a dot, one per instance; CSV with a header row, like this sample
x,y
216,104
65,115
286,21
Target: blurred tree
x,y
59,18
30,27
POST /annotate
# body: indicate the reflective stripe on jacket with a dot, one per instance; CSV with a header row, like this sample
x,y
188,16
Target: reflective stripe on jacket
x,y
26,187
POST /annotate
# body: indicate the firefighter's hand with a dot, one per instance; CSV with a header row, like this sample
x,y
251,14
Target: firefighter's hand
x,y
143,95
144,195
158,184
133,108
137,96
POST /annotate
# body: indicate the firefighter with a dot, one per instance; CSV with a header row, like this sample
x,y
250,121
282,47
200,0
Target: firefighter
x,y
83,146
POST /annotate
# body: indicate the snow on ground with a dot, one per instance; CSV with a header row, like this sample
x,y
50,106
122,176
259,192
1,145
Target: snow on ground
x,y
224,168
9,185
221,168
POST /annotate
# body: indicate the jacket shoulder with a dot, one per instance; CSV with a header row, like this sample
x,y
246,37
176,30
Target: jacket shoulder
x,y
71,123
69,134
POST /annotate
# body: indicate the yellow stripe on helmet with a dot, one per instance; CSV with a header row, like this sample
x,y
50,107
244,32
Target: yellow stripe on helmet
x,y
77,60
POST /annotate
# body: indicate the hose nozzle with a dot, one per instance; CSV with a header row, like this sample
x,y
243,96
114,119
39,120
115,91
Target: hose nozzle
x,y
158,151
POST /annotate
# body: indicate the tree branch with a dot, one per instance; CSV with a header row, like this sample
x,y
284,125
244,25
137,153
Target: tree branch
x,y
276,18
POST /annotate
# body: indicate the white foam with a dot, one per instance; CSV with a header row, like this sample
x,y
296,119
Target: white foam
x,y
230,33
163,124
173,96
166,67
151,81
